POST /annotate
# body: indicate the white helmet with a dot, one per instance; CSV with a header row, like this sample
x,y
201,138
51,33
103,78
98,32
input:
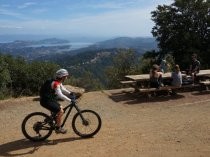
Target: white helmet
x,y
61,73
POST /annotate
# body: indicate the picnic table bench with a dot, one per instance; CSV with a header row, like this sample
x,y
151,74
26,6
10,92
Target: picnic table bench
x,y
167,88
140,82
128,82
205,84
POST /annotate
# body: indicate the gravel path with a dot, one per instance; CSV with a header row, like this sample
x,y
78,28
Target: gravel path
x,y
133,126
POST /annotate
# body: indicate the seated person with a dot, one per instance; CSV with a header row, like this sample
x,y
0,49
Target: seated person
x,y
194,67
155,77
176,77
164,66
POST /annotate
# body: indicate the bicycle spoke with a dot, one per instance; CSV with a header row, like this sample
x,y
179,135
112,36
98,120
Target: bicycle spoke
x,y
90,124
35,127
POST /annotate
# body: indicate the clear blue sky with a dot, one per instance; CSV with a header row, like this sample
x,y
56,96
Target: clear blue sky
x,y
87,17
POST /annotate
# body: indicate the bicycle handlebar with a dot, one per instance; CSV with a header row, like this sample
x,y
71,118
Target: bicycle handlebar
x,y
72,96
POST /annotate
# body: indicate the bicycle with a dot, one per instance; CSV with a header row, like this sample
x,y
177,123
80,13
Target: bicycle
x,y
38,126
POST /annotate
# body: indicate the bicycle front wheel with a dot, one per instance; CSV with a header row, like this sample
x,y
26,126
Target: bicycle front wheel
x,y
86,123
37,126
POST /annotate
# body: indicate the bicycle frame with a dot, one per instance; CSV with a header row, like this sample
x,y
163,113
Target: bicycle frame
x,y
70,106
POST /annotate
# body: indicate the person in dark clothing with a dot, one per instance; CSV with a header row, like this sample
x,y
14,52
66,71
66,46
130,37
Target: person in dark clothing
x,y
155,77
194,67
50,91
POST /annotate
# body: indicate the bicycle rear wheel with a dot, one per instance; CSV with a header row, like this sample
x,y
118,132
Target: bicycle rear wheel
x,y
37,126
86,123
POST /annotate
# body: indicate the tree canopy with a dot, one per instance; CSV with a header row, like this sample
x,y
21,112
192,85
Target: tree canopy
x,y
183,28
19,77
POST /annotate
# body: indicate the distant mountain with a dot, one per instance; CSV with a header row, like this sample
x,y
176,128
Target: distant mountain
x,y
32,50
53,48
4,38
52,41
140,44
23,43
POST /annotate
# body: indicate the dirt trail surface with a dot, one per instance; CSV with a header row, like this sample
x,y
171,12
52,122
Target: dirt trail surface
x,y
133,126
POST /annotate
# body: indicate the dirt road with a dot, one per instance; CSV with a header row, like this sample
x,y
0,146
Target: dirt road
x,y
133,126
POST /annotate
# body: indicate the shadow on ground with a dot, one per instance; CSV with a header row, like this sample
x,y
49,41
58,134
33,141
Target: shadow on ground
x,y
24,147
204,92
131,97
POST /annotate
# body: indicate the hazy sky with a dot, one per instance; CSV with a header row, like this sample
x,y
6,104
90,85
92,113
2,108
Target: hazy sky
x,y
87,17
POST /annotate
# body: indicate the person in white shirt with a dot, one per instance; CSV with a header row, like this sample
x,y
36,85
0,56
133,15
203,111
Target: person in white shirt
x,y
176,77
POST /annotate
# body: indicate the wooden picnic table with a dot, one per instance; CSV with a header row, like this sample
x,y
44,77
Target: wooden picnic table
x,y
204,73
145,77
141,81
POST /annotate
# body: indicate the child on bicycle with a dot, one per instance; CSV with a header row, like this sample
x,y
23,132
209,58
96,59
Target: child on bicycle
x,y
50,91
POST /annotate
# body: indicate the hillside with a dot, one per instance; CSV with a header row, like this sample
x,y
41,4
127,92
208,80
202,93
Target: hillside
x,y
92,60
139,44
51,49
85,64
132,126
32,50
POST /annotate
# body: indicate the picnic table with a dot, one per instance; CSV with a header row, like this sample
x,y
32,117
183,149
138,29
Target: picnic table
x,y
204,73
141,82
204,78
146,77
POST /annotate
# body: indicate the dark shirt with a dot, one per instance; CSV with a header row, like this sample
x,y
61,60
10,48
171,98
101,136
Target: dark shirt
x,y
46,91
155,82
195,66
